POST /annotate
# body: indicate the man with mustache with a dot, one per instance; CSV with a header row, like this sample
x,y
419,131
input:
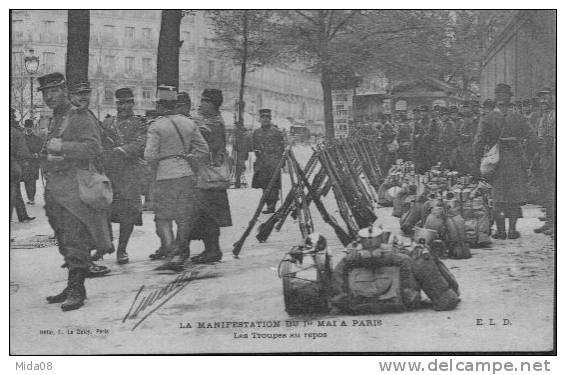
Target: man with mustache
x,y
73,143
124,138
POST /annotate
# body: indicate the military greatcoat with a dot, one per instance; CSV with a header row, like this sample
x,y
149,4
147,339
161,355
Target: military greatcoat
x,y
269,143
124,142
78,227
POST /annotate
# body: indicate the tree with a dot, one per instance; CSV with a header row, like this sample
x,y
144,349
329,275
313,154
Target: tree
x,y
168,48
78,35
343,44
245,37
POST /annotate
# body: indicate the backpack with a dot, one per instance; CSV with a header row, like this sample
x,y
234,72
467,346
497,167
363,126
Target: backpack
x,y
458,248
376,282
477,219
437,282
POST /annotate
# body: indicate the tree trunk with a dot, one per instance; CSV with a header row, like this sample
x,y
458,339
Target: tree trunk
x,y
168,48
239,132
326,81
244,67
78,35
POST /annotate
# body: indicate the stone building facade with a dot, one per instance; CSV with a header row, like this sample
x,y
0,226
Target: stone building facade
x,y
520,50
123,48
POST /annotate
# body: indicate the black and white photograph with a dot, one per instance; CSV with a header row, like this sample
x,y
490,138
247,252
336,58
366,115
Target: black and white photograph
x,y
263,181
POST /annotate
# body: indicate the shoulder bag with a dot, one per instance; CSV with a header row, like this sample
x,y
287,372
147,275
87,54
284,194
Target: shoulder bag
x,y
210,175
490,159
95,189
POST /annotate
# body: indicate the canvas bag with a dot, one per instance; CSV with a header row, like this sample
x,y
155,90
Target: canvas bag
x,y
210,176
95,189
490,160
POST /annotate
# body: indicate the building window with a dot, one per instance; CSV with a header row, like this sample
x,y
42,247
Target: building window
x,y
211,67
146,93
129,32
108,94
18,28
48,61
129,64
108,32
187,69
186,36
47,27
146,65
17,62
109,63
146,33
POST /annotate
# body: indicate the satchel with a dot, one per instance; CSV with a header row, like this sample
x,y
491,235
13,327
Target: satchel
x,y
95,189
490,160
213,176
210,176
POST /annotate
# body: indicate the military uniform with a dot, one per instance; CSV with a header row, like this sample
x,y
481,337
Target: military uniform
x,y
19,155
509,181
268,143
124,142
449,141
545,166
465,162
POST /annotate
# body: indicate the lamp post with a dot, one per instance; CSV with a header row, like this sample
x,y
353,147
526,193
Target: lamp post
x,y
31,63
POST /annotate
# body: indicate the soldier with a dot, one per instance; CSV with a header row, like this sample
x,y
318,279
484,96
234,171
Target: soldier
x,y
449,137
73,142
184,104
420,142
215,207
509,180
123,141
545,170
404,137
466,131
19,156
31,171
268,145
173,144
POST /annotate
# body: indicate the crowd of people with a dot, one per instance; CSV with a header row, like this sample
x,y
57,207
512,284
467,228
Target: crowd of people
x,y
457,138
161,156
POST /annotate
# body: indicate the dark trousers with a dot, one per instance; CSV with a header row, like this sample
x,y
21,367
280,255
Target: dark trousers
x,y
30,186
72,235
17,201
272,197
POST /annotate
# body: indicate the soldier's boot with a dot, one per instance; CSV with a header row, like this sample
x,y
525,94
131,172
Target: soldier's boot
x,y
500,225
77,292
58,298
212,253
126,230
513,233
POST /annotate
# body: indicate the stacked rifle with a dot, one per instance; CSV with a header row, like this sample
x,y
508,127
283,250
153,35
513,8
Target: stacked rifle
x,y
349,168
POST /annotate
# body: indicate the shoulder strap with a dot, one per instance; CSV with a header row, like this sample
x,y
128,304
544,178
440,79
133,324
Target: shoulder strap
x,y
179,133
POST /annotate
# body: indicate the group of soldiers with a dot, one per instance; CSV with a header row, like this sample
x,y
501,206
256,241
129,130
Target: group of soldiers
x,y
160,155
458,137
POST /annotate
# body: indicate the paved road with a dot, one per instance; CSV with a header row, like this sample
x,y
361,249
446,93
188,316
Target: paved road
x,y
511,283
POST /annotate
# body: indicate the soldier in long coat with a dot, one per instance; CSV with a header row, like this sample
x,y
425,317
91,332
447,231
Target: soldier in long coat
x,y
268,145
545,166
509,181
19,157
31,171
467,127
449,136
215,207
420,142
124,138
73,143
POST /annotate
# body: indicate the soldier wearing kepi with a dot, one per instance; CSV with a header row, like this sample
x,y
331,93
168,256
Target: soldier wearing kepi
x,y
73,143
173,141
123,140
545,170
509,180
268,145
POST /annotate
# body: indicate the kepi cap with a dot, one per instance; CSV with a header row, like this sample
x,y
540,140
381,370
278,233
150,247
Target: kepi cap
x,y
79,87
166,93
124,94
265,112
50,80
